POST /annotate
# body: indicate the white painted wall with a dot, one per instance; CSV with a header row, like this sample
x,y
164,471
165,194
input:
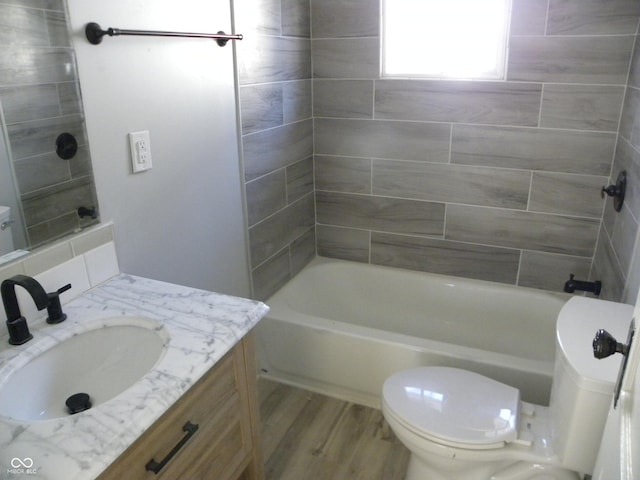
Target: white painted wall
x,y
183,220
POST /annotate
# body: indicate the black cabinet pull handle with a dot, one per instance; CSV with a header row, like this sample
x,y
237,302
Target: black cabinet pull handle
x,y
155,467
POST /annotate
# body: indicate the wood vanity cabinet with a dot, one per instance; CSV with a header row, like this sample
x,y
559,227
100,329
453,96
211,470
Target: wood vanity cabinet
x,y
225,445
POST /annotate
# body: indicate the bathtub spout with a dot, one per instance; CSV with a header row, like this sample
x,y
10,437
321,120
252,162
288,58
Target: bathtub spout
x,y
572,285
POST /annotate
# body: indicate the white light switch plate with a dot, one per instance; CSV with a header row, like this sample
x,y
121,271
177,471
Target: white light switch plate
x,y
140,151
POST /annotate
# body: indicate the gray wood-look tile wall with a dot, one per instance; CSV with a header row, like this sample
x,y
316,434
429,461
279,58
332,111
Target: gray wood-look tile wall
x,y
619,233
491,180
40,99
274,71
496,180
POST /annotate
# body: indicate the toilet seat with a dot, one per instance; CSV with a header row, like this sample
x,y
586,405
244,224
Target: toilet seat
x,y
453,407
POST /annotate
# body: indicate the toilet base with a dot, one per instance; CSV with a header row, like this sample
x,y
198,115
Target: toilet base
x,y
450,469
441,468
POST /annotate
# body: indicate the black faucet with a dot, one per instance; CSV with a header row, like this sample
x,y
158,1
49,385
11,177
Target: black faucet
x,y
16,323
572,285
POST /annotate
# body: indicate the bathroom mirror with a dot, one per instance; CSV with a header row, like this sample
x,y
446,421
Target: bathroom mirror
x,y
46,177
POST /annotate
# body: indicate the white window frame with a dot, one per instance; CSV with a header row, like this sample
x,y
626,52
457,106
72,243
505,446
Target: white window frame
x,y
413,35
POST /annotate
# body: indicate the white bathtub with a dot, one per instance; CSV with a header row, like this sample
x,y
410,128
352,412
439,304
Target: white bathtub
x,y
341,328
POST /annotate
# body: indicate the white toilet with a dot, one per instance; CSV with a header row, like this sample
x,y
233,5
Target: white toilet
x,y
460,425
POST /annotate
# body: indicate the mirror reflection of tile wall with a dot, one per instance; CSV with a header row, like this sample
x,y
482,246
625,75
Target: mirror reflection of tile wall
x,y
40,99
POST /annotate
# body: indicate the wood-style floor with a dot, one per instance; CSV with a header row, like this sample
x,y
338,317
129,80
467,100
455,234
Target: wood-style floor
x,y
307,436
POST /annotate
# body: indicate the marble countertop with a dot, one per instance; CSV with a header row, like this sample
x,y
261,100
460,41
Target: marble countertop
x,y
202,327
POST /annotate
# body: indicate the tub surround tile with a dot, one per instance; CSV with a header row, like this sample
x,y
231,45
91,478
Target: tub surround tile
x,y
57,29
264,59
623,238
634,73
343,243
22,26
582,107
44,4
497,103
537,147
277,136
40,171
549,271
270,150
296,20
355,58
49,203
275,272
280,229
302,250
451,183
80,165
529,17
445,257
272,105
39,97
70,101
567,194
627,158
45,170
47,231
343,174
566,151
590,60
299,179
261,107
343,98
30,65
297,100
30,102
606,268
524,230
383,139
266,195
337,18
629,125
380,213
593,17
272,275
39,136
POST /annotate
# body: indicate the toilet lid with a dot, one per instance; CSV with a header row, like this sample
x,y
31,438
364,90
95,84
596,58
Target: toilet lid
x,y
456,406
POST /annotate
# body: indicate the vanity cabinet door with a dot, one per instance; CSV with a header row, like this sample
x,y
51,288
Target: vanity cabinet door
x,y
207,434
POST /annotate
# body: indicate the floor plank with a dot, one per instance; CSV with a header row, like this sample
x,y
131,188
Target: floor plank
x,y
311,436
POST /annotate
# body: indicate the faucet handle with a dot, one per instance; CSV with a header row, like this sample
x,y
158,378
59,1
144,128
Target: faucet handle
x,y
54,307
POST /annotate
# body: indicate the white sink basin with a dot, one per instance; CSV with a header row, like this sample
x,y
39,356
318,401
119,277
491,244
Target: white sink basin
x,y
101,362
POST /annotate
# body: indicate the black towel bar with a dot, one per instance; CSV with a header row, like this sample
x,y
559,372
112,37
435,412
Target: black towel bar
x,y
95,33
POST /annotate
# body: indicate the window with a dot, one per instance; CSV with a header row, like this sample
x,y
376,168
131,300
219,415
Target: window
x,y
464,39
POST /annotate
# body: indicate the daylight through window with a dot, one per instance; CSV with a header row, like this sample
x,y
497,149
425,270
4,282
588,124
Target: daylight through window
x,y
445,38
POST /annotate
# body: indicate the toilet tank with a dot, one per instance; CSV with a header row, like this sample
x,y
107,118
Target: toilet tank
x,y
6,239
583,386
